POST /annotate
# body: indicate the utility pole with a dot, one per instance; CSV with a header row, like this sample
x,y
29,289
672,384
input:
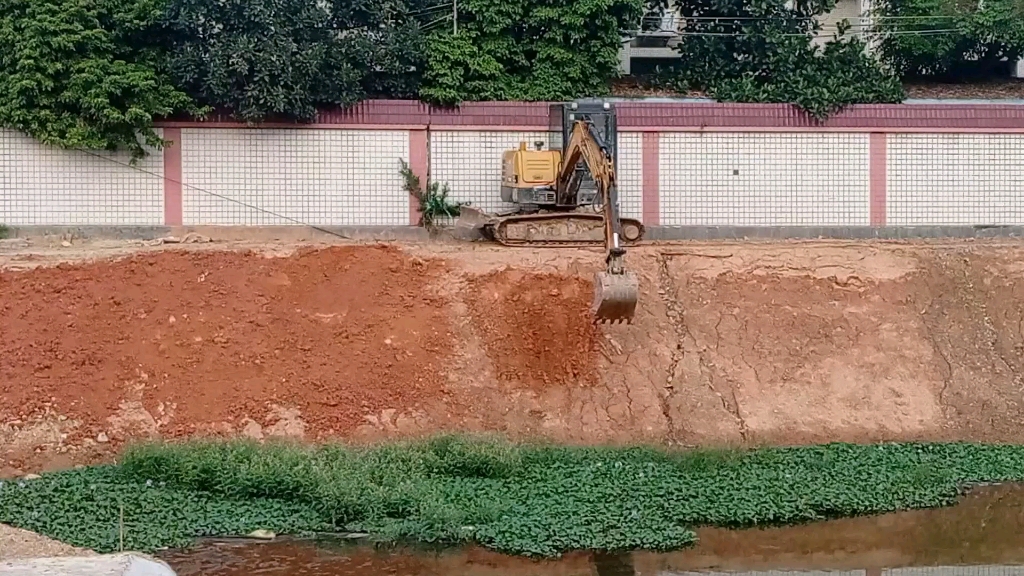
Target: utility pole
x,y
455,17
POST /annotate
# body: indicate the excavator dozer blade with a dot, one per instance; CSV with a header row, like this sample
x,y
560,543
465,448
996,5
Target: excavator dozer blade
x,y
472,217
615,297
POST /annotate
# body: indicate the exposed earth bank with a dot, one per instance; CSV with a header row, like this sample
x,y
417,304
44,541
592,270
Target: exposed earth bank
x,y
733,343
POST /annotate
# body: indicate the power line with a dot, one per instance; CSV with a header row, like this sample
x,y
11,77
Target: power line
x,y
789,19
434,24
430,9
216,195
819,33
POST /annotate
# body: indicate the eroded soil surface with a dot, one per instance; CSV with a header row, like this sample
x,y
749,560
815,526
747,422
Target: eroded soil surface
x,y
733,343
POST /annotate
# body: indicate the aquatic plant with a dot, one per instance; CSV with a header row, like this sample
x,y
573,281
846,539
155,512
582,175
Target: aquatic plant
x,y
521,499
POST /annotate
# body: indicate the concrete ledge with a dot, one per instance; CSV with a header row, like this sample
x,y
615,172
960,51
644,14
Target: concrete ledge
x,y
126,564
830,232
418,234
294,233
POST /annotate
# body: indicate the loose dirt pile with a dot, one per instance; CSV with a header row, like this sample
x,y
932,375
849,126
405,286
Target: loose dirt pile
x,y
536,328
732,344
179,343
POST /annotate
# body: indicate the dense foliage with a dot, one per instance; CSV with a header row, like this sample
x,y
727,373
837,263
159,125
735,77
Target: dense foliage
x,y
528,50
764,51
94,74
536,500
77,74
950,40
286,58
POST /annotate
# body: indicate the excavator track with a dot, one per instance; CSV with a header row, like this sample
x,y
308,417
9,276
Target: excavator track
x,y
559,230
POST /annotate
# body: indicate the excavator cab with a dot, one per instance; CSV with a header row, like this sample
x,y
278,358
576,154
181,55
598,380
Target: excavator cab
x,y
570,198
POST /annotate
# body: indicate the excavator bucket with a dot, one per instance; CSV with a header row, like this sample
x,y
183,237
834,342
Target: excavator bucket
x,y
615,297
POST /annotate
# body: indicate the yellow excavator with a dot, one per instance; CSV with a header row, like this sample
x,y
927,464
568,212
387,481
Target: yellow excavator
x,y
569,197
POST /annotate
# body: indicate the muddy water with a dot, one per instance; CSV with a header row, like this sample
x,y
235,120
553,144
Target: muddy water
x,y
983,535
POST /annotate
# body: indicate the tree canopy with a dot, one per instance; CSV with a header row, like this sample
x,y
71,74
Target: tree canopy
x,y
97,73
76,74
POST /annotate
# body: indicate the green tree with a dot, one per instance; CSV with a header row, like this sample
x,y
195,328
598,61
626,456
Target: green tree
x,y
74,74
950,40
285,58
527,50
764,51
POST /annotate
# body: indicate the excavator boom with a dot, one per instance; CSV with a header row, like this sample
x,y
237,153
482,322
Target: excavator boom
x,y
553,208
615,289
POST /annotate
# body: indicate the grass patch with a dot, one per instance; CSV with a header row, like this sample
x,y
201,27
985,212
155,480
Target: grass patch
x,y
520,499
5,232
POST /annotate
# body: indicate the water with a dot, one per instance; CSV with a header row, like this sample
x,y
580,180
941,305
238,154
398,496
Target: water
x,y
981,536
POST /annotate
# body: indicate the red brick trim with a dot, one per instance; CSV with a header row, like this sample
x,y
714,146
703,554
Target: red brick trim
x,y
541,116
172,177
651,179
864,117
877,170
394,114
419,155
657,116
286,125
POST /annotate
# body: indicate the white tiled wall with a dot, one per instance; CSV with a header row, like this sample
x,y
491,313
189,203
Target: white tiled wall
x,y
935,179
470,163
293,176
351,177
630,171
764,179
42,185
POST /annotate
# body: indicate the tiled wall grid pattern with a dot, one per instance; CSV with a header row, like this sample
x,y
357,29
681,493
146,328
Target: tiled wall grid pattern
x,y
329,176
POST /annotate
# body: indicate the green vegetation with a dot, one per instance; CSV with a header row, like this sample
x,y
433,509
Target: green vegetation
x,y
83,507
763,51
79,74
283,59
4,232
528,50
96,74
521,499
983,39
434,205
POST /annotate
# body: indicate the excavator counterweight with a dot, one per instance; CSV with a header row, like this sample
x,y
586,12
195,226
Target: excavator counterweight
x,y
551,191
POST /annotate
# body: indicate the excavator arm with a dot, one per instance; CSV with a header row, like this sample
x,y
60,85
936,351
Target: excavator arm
x,y
615,289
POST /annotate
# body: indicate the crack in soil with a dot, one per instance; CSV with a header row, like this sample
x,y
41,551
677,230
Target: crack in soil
x,y
674,312
734,408
932,335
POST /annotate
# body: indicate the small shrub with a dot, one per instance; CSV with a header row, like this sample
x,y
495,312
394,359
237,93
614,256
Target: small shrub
x,y
434,205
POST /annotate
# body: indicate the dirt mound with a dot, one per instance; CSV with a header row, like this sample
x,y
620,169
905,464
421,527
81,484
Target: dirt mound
x,y
732,344
536,328
183,342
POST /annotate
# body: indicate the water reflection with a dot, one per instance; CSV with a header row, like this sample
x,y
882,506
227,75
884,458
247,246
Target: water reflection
x,y
984,532
613,563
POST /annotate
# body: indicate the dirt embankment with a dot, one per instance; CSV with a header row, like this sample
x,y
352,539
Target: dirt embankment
x,y
733,343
